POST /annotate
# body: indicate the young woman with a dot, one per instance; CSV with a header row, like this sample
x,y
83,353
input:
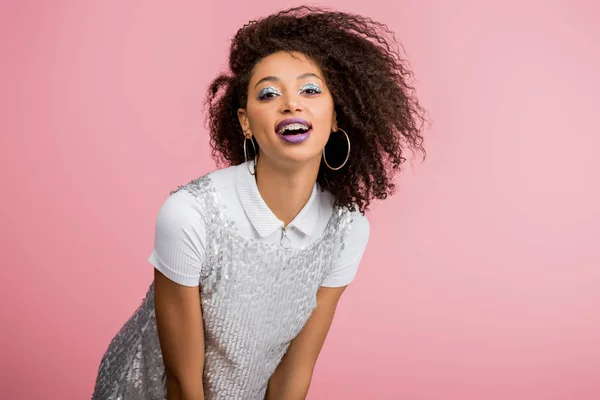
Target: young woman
x,y
312,121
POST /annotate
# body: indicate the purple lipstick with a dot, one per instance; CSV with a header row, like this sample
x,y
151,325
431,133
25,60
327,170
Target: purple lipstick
x,y
293,130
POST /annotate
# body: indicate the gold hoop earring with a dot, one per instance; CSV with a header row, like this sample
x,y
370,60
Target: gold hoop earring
x,y
347,155
246,156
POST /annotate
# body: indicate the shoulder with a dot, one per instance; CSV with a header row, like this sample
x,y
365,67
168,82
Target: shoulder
x,y
180,211
188,204
182,202
355,236
224,178
357,221
359,231
220,181
354,224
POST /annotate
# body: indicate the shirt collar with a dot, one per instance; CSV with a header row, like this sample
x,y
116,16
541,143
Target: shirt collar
x,y
260,215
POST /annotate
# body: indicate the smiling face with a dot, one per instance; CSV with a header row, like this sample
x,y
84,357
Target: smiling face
x,y
290,110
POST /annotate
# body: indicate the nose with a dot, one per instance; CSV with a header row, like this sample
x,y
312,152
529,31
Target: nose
x,y
291,104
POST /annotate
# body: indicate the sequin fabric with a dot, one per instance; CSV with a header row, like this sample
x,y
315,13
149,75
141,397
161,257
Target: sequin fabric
x,y
255,296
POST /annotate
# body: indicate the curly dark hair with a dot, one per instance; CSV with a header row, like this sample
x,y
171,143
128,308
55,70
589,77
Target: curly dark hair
x,y
370,84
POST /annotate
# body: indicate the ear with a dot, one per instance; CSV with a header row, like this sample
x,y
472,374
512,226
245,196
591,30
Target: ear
x,y
244,122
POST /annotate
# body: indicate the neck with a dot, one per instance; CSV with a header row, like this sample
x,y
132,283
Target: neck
x,y
286,190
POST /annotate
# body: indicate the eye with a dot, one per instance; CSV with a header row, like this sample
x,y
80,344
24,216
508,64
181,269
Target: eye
x,y
310,88
268,93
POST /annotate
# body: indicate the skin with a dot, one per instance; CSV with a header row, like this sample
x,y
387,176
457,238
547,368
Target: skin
x,y
285,175
287,172
181,337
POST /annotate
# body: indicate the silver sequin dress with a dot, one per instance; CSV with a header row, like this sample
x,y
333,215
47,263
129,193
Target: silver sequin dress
x,y
255,296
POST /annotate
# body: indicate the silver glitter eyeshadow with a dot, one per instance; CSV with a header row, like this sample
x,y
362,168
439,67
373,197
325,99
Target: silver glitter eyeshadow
x,y
256,297
268,90
310,86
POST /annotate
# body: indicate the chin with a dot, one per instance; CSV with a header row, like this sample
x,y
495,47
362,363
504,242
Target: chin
x,y
298,155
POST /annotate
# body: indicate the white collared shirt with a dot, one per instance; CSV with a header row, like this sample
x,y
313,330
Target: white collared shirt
x,y
180,237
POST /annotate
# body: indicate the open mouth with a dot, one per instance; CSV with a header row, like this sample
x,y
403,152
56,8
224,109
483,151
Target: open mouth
x,y
294,130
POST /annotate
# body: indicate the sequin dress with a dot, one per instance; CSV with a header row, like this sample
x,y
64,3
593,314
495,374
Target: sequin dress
x,y
255,296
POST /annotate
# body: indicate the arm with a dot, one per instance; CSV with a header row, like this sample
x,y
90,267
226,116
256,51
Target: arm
x,y
292,377
177,258
181,336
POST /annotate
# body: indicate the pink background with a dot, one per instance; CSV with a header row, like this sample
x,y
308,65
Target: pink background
x,y
482,277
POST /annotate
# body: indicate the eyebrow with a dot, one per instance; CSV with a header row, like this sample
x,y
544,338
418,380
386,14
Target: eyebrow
x,y
276,79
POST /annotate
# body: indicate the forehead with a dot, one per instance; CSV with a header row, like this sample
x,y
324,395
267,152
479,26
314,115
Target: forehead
x,y
284,65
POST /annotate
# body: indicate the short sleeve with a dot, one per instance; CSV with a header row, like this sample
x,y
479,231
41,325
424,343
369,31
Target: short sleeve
x,y
179,239
344,270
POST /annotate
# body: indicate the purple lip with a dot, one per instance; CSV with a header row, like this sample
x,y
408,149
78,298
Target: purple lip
x,y
301,137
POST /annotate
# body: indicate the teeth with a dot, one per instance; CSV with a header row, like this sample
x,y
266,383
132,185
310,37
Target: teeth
x,y
293,127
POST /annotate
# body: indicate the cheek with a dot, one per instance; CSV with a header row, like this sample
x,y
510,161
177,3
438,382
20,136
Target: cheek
x,y
325,115
259,118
